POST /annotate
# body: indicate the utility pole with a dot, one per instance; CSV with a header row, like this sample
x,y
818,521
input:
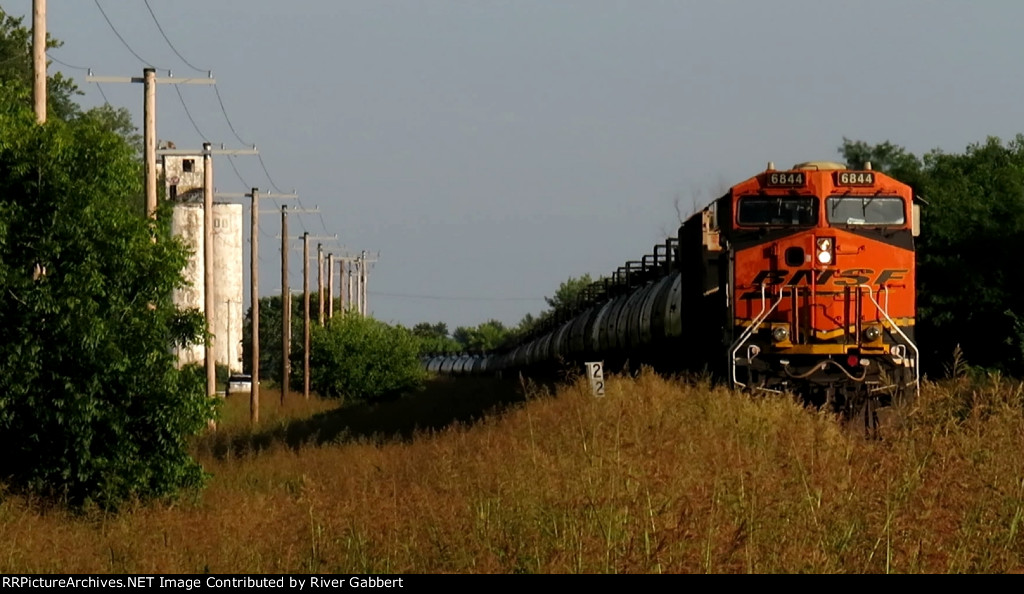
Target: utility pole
x,y
305,315
254,292
330,286
343,287
366,278
349,284
149,81
346,284
286,307
149,137
362,283
39,59
254,307
211,369
320,279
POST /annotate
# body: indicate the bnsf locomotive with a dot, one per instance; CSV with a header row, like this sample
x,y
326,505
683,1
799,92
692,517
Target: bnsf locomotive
x,y
795,281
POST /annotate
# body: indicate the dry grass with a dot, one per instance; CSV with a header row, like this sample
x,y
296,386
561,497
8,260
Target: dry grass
x,y
659,476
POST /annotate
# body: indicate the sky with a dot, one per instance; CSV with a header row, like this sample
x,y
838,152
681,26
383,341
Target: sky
x,y
489,150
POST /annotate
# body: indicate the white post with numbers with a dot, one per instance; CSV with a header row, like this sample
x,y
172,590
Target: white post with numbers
x,y
595,375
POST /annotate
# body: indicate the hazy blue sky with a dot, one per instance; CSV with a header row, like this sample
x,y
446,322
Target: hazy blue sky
x,y
491,149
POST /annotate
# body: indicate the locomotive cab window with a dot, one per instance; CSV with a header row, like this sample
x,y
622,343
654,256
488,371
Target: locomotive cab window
x,y
778,210
865,210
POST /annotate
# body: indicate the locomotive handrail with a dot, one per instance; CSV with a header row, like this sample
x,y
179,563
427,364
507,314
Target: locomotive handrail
x,y
910,343
754,325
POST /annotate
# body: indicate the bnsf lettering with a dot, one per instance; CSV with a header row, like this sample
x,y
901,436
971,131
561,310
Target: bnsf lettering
x,y
842,278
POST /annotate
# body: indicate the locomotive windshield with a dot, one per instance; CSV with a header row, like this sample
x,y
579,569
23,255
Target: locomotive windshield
x,y
778,210
865,210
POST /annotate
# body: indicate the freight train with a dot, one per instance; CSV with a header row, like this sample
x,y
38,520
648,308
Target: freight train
x,y
799,281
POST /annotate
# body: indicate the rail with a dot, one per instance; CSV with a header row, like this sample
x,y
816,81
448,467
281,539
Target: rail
x,y
906,339
754,325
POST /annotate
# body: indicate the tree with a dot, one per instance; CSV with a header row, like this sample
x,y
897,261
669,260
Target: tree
x,y
569,292
886,157
434,338
92,406
119,121
968,251
360,358
488,336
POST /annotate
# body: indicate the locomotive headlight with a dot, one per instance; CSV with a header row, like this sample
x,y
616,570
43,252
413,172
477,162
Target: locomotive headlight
x,y
825,249
872,333
780,333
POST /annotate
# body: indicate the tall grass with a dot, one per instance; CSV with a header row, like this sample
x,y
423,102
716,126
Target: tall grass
x,y
661,475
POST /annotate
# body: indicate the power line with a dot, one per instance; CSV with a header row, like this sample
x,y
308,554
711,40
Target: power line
x,y
270,179
157,21
63,63
189,114
102,94
231,161
114,29
228,120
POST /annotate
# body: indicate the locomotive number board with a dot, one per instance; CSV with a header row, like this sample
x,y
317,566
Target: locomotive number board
x,y
785,179
855,178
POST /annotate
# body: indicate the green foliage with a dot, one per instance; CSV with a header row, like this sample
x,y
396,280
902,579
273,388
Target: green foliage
x,y
969,249
92,407
361,358
119,121
568,292
488,336
434,338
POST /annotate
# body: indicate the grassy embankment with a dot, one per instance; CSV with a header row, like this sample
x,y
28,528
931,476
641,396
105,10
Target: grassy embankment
x,y
659,476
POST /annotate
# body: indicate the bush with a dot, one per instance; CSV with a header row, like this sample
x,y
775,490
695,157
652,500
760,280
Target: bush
x,y
92,407
362,358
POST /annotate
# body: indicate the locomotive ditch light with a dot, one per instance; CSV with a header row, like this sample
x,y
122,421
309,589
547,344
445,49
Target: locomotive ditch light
x,y
780,334
872,333
826,248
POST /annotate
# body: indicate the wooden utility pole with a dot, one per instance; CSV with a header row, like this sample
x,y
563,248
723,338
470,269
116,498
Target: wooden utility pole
x,y
330,286
305,315
362,283
149,137
149,81
365,271
345,283
211,367
286,307
39,59
346,266
320,279
254,299
254,292
343,287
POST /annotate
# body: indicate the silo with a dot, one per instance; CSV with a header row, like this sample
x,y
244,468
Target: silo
x,y
187,223
227,290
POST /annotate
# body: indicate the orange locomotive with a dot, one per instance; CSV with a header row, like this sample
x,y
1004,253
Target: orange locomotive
x,y
821,274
